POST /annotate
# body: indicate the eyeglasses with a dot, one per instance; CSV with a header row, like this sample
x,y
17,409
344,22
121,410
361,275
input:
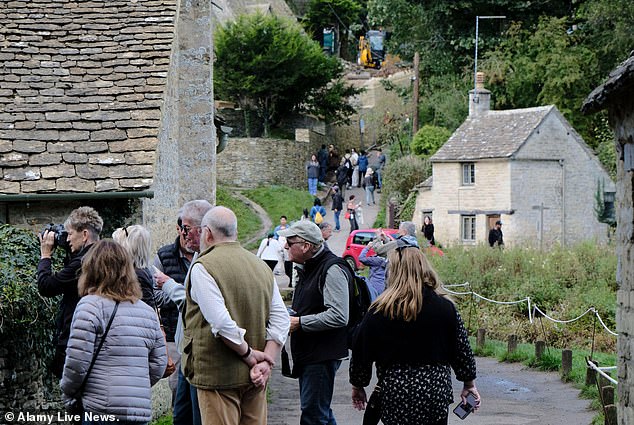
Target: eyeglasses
x,y
290,244
186,229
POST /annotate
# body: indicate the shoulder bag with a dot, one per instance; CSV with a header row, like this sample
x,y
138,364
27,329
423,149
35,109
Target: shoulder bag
x,y
76,405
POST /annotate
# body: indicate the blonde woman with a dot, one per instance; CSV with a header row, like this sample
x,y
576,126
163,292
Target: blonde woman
x,y
133,356
137,241
415,335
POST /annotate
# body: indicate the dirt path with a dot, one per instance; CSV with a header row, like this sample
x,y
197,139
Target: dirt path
x,y
512,394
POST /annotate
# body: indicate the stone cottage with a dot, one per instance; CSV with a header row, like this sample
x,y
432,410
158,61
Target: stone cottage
x,y
617,96
526,167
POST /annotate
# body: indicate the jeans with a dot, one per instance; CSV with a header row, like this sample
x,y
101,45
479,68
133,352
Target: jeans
x,y
186,411
337,223
312,186
316,386
378,177
369,194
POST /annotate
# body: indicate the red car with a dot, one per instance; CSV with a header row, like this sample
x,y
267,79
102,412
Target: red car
x,y
357,241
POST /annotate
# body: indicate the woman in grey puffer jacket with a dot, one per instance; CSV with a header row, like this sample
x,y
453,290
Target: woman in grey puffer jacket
x,y
133,356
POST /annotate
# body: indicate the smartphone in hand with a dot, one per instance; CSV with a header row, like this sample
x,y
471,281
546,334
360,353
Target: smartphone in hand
x,y
463,410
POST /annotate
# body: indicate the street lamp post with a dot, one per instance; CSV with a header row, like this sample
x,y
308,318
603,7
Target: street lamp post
x,y
475,67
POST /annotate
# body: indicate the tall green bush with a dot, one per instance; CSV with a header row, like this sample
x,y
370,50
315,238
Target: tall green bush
x,y
403,174
429,139
27,320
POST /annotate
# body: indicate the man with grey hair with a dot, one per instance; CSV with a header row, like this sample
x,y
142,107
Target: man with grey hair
x,y
406,232
172,263
235,323
326,232
319,335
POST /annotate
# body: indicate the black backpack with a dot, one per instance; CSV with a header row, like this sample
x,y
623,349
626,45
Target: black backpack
x,y
358,295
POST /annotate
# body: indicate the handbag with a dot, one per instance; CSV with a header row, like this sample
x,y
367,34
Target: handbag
x,y
347,215
372,413
76,405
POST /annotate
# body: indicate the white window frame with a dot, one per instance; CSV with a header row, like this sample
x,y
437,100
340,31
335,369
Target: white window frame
x,y
468,173
468,224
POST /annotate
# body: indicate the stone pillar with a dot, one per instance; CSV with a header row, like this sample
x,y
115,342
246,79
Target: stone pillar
x,y
622,120
185,167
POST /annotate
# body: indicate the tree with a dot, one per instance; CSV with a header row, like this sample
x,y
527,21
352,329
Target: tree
x,y
429,139
267,64
331,13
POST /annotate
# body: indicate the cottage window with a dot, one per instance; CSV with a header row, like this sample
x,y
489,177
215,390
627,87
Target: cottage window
x,y
608,207
468,174
468,228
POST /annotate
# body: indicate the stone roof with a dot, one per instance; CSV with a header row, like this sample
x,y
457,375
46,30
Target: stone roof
x,y
620,83
81,87
495,134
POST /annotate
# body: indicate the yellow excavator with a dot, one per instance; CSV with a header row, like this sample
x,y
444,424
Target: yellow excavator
x,y
372,49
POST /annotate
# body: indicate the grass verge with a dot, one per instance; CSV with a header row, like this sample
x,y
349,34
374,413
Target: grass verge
x,y
248,221
281,200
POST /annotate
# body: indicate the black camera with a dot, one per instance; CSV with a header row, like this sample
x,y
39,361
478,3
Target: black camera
x,y
61,235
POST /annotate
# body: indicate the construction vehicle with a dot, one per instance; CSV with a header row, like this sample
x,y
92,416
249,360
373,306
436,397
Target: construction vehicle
x,y
372,49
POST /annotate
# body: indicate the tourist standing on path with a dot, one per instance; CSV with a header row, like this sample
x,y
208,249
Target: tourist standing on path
x,y
337,206
342,178
172,265
428,230
363,167
369,184
379,170
312,170
133,356
496,238
83,226
414,334
318,328
354,158
235,323
137,241
333,158
322,158
270,251
317,208
377,265
326,232
281,226
352,207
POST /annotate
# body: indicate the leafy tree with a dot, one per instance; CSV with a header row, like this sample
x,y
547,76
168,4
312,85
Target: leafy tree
x,y
267,64
429,139
331,13
543,65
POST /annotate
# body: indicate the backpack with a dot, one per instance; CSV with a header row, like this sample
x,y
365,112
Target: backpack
x,y
359,296
318,218
347,163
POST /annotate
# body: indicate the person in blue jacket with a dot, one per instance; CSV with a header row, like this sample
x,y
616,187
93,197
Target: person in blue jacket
x,y
377,265
317,208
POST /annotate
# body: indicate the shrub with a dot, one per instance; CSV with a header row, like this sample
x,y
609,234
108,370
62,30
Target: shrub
x,y
428,140
402,175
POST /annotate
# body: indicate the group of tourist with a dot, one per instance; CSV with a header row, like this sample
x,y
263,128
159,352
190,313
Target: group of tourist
x,y
223,322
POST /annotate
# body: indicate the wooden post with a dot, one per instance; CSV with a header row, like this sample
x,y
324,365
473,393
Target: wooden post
x,y
540,347
512,345
609,413
415,93
481,338
608,394
591,374
566,362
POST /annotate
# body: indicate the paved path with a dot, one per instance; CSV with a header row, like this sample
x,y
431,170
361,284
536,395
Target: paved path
x,y
512,394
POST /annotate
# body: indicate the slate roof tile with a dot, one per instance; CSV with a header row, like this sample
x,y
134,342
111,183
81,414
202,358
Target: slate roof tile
x,y
81,86
495,134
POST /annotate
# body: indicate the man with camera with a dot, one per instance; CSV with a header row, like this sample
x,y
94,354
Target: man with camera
x,y
80,230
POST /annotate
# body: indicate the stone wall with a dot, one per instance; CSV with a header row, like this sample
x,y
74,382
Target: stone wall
x,y
253,162
622,119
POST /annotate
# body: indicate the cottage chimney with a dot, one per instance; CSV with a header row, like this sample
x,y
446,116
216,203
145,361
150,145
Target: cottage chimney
x,y
480,98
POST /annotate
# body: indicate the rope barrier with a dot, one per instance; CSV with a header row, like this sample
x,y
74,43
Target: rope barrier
x,y
531,311
600,370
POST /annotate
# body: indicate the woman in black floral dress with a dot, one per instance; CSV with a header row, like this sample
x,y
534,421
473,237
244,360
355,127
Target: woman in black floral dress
x,y
415,335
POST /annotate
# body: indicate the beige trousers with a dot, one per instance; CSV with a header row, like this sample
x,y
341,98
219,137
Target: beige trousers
x,y
239,406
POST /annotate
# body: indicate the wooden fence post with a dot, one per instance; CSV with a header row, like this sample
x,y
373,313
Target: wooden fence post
x,y
481,338
540,347
609,413
566,362
512,345
591,374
